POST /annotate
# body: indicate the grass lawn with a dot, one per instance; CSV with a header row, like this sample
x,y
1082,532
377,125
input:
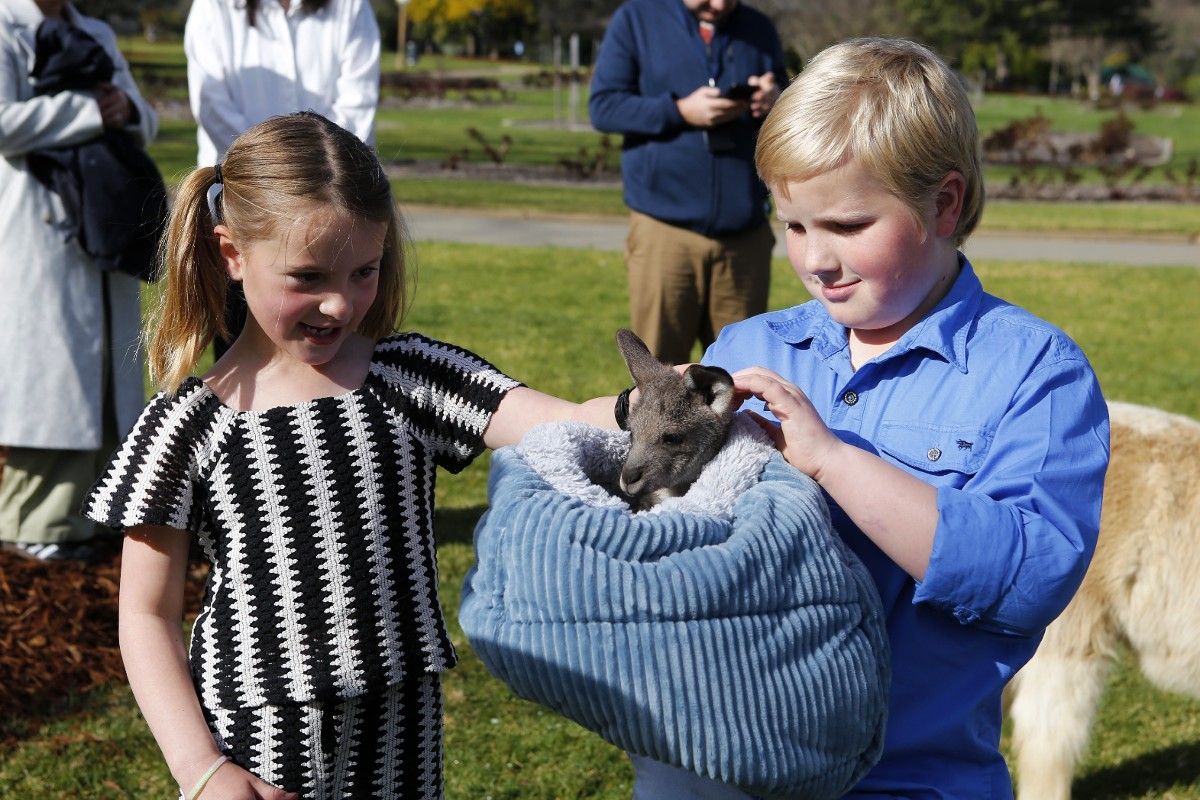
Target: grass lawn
x,y
547,317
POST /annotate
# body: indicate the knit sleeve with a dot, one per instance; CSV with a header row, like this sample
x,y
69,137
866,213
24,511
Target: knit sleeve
x,y
151,480
448,394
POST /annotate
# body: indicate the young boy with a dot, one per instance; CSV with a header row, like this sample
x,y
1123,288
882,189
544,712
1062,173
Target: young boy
x,y
961,441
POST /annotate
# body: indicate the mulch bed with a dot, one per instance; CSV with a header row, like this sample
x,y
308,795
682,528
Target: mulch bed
x,y
58,630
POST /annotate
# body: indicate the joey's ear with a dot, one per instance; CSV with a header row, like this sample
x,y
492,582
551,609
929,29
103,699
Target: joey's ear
x,y
642,365
231,256
714,384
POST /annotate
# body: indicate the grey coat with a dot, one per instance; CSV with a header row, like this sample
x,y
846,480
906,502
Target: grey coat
x,y
52,297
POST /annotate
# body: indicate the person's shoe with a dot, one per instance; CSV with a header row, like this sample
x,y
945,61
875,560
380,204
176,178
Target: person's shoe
x,y
54,551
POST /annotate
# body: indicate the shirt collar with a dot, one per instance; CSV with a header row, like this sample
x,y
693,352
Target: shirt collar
x,y
943,330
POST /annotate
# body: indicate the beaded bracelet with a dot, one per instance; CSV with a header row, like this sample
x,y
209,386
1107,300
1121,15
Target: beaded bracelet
x,y
200,784
621,409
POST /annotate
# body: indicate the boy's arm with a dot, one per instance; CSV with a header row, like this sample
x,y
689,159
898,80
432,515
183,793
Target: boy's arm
x,y
896,510
153,567
1012,545
1009,549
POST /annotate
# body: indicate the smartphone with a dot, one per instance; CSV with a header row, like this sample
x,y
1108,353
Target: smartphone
x,y
739,91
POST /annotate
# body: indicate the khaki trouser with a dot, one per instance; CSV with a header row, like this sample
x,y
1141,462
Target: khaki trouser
x,y
41,492
684,286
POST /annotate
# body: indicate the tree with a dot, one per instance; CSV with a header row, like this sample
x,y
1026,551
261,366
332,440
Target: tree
x,y
1086,31
483,23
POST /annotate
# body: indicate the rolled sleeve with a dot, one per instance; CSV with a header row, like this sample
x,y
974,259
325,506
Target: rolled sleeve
x,y
1012,545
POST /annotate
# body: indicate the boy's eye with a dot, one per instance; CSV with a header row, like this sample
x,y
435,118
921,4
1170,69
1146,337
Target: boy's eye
x,y
794,227
849,227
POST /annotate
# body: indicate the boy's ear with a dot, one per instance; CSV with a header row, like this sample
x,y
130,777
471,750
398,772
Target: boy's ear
x,y
231,257
948,203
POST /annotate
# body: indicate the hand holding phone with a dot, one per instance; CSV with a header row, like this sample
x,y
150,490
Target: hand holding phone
x,y
739,91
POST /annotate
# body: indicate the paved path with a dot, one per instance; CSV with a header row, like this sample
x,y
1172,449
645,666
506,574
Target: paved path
x,y
429,223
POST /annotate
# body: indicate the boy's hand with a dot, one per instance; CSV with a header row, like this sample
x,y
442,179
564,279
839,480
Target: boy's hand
x,y
801,435
768,92
705,107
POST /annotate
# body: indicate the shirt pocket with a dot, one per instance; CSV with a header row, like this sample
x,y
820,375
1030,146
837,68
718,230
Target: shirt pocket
x,y
952,453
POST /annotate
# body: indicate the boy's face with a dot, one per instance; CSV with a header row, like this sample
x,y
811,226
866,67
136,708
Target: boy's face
x,y
859,250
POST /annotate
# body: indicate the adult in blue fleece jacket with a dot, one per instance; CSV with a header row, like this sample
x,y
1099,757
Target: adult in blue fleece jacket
x,y
699,246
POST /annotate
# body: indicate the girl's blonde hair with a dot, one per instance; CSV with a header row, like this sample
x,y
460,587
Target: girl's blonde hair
x,y
890,104
272,174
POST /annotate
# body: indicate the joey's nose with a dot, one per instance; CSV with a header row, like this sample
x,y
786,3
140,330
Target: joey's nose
x,y
630,478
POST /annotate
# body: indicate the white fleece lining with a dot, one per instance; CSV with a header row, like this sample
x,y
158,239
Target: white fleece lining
x,y
584,462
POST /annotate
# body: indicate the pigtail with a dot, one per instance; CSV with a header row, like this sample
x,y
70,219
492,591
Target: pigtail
x,y
190,308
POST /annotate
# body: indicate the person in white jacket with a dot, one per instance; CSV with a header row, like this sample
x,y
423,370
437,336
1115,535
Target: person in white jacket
x,y
70,366
251,59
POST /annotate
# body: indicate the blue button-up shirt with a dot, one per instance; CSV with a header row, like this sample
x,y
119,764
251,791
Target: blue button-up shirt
x,y
1002,413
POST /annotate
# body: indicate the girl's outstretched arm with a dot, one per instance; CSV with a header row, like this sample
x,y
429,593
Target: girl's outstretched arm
x,y
153,569
522,408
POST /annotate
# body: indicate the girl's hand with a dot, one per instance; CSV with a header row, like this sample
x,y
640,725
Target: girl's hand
x,y
801,435
232,782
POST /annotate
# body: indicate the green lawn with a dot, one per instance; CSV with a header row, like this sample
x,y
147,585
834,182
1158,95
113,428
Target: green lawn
x,y
547,317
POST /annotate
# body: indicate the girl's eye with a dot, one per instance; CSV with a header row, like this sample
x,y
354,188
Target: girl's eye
x,y
849,227
305,278
794,227
367,272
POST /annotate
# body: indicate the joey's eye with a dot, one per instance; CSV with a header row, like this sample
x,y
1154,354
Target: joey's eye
x,y
672,438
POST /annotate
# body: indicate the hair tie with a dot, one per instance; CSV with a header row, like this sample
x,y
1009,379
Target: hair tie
x,y
214,192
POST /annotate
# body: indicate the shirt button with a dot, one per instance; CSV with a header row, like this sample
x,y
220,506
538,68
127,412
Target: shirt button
x,y
934,454
850,398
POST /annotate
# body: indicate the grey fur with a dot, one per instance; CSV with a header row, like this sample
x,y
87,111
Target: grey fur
x,y
677,425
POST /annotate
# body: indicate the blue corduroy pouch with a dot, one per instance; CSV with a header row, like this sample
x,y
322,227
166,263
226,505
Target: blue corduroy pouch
x,y
729,632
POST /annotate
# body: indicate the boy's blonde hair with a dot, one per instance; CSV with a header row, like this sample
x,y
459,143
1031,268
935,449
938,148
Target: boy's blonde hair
x,y
892,105
273,174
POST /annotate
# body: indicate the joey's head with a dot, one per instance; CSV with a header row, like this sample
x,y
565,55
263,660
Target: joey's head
x,y
678,424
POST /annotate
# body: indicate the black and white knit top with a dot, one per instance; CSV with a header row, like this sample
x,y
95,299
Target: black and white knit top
x,y
316,517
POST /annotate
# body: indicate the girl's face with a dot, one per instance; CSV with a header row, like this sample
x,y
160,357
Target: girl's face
x,y
309,286
859,250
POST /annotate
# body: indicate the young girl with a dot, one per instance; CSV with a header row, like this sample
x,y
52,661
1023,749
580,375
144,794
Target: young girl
x,y
304,464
